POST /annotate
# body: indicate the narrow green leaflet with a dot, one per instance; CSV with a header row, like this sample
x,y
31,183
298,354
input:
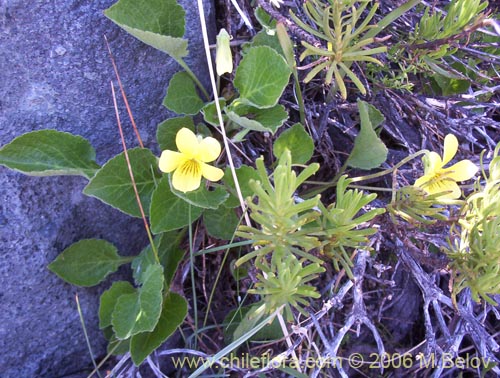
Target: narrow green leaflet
x,y
256,119
298,141
221,223
167,131
182,97
202,197
169,254
369,151
168,211
261,77
173,314
50,153
158,23
109,299
87,262
112,183
139,312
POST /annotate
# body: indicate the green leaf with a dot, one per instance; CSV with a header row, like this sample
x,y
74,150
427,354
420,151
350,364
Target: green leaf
x,y
369,151
109,299
169,254
87,262
168,211
50,153
158,23
244,174
182,97
261,77
298,141
167,131
210,112
262,38
221,223
140,311
249,117
451,86
173,314
117,347
202,197
112,183
242,320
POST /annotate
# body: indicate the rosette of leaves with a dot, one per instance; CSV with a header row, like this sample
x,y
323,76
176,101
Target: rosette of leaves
x,y
475,255
285,284
281,220
342,227
336,23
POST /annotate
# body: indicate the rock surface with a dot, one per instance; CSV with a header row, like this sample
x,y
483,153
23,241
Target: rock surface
x,y
55,73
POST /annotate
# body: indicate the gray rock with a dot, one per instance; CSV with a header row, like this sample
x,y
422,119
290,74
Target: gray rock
x,y
55,73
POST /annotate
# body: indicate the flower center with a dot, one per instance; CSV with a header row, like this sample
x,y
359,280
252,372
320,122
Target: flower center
x,y
191,167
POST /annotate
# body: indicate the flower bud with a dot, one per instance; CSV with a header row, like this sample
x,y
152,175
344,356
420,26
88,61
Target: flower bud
x,y
223,58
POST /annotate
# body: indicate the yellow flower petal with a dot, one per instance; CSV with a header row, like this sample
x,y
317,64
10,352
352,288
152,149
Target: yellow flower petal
x,y
461,171
449,188
187,176
187,142
209,150
450,148
433,163
422,181
170,160
211,173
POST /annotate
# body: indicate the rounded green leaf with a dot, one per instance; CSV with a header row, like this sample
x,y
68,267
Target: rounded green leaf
x,y
244,175
202,197
252,118
210,112
169,254
261,77
173,314
87,262
112,183
221,223
158,23
182,96
48,153
109,299
167,131
139,312
297,141
168,211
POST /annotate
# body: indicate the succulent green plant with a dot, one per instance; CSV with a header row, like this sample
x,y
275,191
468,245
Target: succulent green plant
x,y
336,23
285,284
475,250
341,226
282,221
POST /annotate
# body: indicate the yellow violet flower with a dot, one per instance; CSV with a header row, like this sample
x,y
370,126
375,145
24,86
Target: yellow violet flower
x,y
437,179
189,163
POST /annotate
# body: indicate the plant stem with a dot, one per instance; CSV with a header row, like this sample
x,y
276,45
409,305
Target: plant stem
x,y
194,77
332,183
193,286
